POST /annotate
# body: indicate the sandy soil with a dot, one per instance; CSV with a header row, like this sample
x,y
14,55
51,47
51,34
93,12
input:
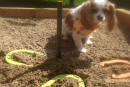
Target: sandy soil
x,y
39,35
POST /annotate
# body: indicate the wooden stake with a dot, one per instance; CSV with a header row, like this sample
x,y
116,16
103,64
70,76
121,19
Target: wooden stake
x,y
59,28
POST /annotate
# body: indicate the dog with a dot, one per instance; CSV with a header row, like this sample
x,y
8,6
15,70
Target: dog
x,y
83,20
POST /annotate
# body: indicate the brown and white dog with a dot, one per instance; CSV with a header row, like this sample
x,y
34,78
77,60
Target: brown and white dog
x,y
82,21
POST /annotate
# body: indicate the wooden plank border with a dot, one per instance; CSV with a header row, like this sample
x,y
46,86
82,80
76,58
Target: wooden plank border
x,y
123,17
30,12
44,12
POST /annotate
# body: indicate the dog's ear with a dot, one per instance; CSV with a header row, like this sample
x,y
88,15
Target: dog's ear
x,y
111,17
85,15
69,20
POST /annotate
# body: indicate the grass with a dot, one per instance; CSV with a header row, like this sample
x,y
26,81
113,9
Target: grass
x,y
36,3
77,2
65,2
52,3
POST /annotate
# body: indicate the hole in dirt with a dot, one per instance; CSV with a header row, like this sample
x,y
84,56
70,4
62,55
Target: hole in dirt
x,y
18,59
2,53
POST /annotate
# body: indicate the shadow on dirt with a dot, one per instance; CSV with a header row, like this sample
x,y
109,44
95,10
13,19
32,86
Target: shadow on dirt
x,y
126,32
123,17
69,62
26,23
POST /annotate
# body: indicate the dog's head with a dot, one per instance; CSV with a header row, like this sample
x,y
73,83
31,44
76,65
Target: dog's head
x,y
99,11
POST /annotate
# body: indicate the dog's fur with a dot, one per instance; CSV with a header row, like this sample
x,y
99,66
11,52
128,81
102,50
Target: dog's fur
x,y
91,12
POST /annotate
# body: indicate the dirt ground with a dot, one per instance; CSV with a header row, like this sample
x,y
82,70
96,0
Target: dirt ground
x,y
40,35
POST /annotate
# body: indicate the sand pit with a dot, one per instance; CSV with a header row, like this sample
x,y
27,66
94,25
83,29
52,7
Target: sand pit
x,y
40,35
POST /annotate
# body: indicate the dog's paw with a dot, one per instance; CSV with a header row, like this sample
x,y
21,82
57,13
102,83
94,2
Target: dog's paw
x,y
83,50
89,42
90,37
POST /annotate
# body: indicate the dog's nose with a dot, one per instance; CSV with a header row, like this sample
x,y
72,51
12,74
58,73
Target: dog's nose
x,y
100,18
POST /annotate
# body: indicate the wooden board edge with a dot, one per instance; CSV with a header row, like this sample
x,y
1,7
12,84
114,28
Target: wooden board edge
x,y
30,12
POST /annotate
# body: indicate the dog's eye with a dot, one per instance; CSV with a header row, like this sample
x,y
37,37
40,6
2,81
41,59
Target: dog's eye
x,y
94,10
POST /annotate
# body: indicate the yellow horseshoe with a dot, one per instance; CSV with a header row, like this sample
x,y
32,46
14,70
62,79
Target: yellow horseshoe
x,y
10,61
50,82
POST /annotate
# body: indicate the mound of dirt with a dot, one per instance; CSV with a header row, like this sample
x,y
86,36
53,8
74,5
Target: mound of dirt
x,y
40,35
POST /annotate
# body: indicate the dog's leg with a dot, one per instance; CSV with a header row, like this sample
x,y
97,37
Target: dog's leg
x,y
88,40
78,42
